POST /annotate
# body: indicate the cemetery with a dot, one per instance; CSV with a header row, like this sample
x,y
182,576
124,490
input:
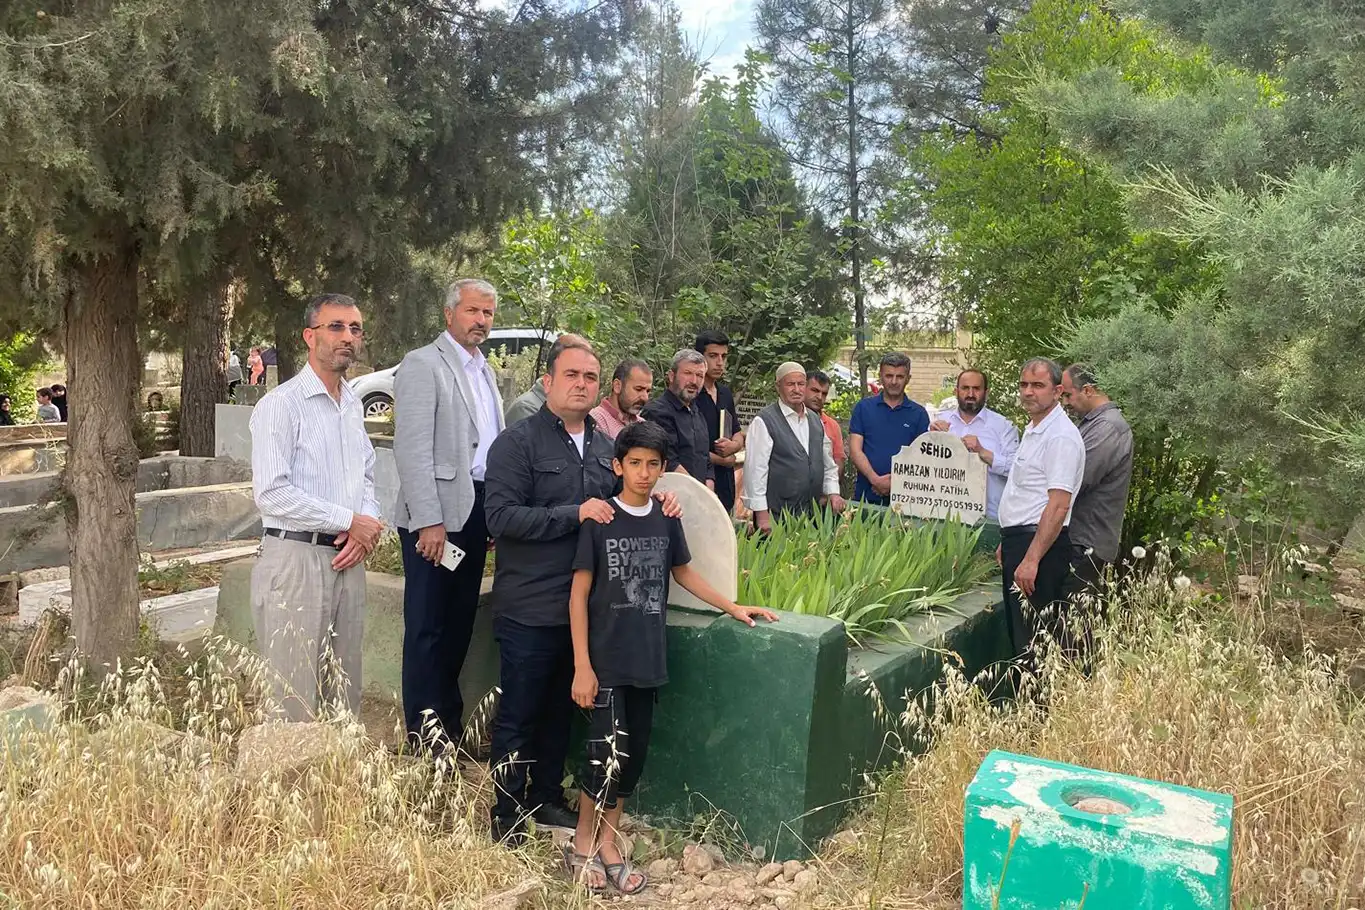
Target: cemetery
x,y
963,215
814,703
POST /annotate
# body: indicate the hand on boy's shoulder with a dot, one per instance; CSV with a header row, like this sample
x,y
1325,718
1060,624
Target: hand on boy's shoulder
x,y
669,501
597,510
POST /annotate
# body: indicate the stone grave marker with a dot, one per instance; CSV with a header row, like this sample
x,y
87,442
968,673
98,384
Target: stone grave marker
x,y
1038,835
232,431
710,539
936,477
250,394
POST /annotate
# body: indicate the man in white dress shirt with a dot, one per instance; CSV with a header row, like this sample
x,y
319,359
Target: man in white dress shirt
x,y
986,433
1035,509
788,461
312,469
447,414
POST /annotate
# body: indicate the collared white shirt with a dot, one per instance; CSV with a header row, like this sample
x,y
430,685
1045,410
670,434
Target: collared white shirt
x,y
485,408
758,448
996,435
1051,456
312,464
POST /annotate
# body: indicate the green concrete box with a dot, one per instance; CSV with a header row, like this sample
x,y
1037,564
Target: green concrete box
x,y
1041,834
770,725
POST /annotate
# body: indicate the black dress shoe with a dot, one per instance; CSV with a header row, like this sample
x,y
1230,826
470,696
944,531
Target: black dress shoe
x,y
555,815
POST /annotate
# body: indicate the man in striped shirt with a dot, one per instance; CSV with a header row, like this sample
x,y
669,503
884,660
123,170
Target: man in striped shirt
x,y
312,469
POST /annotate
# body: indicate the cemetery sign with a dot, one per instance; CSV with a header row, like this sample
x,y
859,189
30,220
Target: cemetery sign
x,y
936,477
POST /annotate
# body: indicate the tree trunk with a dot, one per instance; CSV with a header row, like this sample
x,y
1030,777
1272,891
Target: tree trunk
x,y
855,253
102,457
288,337
203,375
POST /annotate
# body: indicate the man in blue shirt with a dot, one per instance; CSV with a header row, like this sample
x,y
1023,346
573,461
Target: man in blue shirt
x,y
881,426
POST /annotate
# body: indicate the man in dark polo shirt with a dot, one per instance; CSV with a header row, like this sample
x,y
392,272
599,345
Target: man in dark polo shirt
x,y
881,426
677,412
1097,518
546,476
717,399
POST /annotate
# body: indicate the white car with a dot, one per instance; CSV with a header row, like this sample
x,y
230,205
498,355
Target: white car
x,y
376,389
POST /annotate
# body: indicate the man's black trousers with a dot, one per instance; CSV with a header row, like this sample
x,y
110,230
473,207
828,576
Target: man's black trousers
x,y
438,619
531,732
1049,606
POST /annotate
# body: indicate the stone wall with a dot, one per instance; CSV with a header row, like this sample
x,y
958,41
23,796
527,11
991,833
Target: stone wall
x,y
182,502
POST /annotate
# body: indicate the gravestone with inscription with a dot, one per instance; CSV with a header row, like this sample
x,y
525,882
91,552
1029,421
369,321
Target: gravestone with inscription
x,y
936,477
710,539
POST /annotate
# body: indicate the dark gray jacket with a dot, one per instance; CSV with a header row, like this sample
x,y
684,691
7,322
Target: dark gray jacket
x,y
1097,516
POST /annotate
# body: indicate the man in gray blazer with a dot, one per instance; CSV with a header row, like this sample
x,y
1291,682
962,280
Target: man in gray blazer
x,y
447,413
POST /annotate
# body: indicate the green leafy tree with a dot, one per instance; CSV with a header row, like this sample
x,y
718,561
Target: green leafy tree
x,y
713,230
21,359
122,119
836,62
773,283
1031,235
546,270
1259,163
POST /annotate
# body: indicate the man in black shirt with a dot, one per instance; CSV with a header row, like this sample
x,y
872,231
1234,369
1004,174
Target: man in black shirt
x,y
676,411
715,400
546,475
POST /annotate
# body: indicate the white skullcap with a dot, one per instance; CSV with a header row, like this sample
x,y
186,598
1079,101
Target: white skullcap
x,y
788,368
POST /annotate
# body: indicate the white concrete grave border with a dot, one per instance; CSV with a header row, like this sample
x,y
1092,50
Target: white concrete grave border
x,y
176,617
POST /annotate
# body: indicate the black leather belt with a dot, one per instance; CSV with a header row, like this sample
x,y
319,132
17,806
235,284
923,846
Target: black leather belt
x,y
313,537
1020,530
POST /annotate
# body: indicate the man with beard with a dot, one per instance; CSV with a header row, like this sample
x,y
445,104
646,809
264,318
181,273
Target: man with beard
x,y
986,433
1035,510
312,470
789,462
449,415
676,411
621,406
717,404
1097,519
881,426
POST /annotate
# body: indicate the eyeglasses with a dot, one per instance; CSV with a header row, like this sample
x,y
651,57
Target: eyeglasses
x,y
336,328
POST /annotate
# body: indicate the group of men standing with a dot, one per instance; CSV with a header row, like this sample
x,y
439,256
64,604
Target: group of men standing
x,y
468,476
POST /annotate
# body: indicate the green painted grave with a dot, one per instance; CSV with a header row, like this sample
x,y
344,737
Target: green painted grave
x,y
771,726
1041,835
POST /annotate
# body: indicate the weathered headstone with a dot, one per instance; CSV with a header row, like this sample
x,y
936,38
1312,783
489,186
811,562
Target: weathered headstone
x,y
1038,835
936,477
710,538
250,394
232,431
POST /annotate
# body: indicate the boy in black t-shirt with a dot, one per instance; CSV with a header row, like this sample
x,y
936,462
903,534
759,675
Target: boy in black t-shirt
x,y
617,611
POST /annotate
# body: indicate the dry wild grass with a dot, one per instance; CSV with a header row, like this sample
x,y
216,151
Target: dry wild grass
x,y
111,810
1185,692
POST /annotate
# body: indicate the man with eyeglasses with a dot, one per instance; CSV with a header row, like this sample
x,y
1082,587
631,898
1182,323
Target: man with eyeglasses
x,y
312,470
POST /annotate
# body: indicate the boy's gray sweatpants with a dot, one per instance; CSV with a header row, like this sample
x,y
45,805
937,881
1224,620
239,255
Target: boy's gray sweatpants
x,y
309,621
